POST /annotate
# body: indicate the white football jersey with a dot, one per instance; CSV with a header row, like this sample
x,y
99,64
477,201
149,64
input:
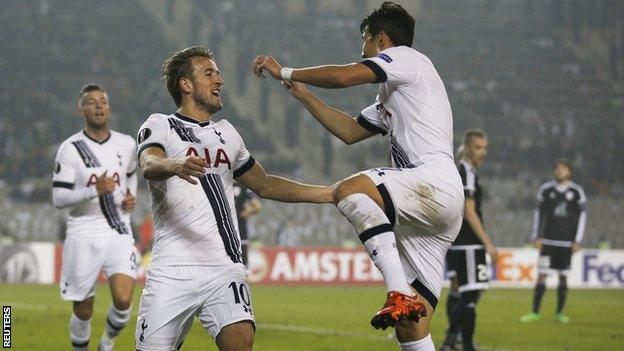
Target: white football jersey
x,y
196,224
79,162
411,108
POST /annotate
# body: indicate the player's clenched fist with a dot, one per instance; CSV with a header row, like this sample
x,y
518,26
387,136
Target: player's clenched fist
x,y
296,89
129,201
190,166
105,185
266,63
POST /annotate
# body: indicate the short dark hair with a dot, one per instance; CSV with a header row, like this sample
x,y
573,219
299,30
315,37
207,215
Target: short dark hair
x,y
392,19
563,161
472,133
178,66
89,87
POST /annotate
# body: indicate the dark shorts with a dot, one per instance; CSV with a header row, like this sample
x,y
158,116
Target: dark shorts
x,y
470,267
554,259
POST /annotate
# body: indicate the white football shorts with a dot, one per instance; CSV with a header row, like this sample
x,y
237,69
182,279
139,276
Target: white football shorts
x,y
425,206
173,295
85,256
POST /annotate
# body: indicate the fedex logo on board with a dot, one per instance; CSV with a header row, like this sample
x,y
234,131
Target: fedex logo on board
x,y
606,273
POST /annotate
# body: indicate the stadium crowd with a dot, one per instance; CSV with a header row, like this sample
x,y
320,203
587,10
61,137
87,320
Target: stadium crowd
x,y
510,71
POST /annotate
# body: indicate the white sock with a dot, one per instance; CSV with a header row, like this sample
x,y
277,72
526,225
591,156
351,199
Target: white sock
x,y
116,320
424,344
373,227
79,333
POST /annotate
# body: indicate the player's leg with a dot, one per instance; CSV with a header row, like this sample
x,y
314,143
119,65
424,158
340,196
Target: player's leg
x,y
236,337
562,265
168,304
453,312
468,304
80,324
81,263
119,312
544,266
226,313
415,336
360,201
120,266
562,292
452,300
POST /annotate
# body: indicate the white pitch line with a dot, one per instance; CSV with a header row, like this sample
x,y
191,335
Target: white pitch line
x,y
319,331
486,348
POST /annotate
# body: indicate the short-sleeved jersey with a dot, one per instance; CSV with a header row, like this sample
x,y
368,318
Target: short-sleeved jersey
x,y
242,196
196,224
412,108
560,214
472,190
79,162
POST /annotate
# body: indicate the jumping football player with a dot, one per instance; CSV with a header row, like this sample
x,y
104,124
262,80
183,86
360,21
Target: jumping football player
x,y
406,216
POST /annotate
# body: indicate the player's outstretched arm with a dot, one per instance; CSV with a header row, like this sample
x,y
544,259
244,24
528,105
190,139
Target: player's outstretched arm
x,y
335,121
158,167
327,76
470,214
281,189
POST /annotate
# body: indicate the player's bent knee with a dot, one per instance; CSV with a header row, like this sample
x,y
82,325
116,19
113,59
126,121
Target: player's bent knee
x,y
122,302
354,185
236,337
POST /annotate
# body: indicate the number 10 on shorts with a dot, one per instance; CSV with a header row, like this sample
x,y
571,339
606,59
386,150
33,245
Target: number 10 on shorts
x,y
241,296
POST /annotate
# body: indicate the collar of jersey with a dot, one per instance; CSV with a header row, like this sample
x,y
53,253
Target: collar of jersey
x,y
97,141
191,120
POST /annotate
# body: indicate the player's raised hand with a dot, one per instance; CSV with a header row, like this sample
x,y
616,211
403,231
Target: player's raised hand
x,y
188,167
129,202
262,63
296,89
105,185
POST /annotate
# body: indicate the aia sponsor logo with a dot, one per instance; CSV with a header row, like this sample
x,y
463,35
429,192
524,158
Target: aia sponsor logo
x,y
219,157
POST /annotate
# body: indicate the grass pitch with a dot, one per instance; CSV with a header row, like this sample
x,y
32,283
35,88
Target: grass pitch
x,y
336,318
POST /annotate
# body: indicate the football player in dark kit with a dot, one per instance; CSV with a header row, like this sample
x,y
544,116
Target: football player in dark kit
x,y
466,261
558,230
247,205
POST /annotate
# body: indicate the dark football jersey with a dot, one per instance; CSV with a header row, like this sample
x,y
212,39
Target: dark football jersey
x,y
242,196
472,190
560,214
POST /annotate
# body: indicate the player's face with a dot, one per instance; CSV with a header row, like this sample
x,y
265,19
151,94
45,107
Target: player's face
x,y
477,150
369,45
95,109
207,84
561,173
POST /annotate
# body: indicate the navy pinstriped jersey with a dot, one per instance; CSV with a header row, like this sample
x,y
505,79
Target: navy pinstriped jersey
x,y
560,214
79,162
196,224
472,190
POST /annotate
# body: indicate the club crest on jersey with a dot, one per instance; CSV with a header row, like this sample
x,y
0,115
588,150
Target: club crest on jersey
x,y
144,134
569,195
220,157
385,57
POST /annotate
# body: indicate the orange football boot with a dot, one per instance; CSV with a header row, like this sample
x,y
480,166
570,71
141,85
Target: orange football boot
x,y
398,306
